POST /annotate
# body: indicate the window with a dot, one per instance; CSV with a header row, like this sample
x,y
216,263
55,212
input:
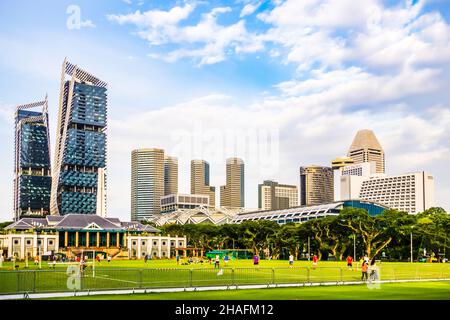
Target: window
x,y
154,243
134,243
16,241
50,242
164,243
143,243
28,242
180,244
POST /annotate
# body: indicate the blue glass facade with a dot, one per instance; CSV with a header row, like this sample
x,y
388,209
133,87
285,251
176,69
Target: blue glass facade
x,y
32,182
372,208
84,150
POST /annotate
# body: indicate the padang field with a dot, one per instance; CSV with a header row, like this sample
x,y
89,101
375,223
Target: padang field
x,y
154,274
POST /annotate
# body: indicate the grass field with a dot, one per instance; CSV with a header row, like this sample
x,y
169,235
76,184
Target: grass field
x,y
387,291
166,273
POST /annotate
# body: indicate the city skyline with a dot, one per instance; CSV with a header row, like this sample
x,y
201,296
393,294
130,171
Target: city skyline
x,y
397,87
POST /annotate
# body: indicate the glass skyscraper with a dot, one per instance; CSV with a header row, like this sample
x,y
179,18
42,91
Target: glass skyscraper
x,y
32,179
79,180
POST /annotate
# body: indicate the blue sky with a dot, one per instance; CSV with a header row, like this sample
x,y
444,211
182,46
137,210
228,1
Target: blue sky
x,y
188,76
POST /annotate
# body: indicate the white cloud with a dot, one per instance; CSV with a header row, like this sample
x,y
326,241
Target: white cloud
x,y
206,42
249,9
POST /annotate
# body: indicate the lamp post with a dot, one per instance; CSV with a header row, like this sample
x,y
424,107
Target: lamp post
x,y
354,247
411,239
309,249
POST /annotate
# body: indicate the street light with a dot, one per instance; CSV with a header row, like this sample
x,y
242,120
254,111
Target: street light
x,y
309,250
412,227
354,247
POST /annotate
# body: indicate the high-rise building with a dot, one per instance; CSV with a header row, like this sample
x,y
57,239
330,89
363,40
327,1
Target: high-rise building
x,y
410,192
275,196
170,175
79,174
32,179
174,202
366,148
232,194
316,185
200,180
341,162
147,183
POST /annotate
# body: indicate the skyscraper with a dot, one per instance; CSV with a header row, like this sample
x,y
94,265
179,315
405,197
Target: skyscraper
x,y
32,178
366,148
79,174
147,183
200,180
316,185
170,175
232,194
275,196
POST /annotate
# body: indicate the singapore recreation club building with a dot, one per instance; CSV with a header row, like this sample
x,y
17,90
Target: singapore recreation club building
x,y
74,234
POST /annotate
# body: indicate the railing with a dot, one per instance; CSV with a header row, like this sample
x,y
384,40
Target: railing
x,y
61,280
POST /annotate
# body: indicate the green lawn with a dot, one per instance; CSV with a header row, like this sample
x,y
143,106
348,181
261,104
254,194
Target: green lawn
x,y
388,291
166,273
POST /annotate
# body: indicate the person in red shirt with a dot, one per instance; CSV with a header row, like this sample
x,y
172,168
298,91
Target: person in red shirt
x,y
314,261
350,262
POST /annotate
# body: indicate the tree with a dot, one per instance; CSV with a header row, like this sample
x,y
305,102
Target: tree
x,y
376,232
288,236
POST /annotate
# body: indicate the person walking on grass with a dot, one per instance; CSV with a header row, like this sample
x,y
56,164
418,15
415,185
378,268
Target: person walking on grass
x,y
364,268
225,259
178,259
217,262
373,271
349,262
291,260
255,260
109,258
315,260
146,258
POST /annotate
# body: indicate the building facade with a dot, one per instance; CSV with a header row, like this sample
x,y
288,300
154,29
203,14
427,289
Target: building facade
x,y
32,173
79,174
147,183
200,183
366,148
75,234
170,175
173,202
275,196
410,192
305,213
232,195
316,185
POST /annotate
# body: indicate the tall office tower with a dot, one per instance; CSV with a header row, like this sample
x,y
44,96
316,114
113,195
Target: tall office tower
x,y
316,185
79,174
366,148
170,175
200,180
32,179
275,196
147,183
232,194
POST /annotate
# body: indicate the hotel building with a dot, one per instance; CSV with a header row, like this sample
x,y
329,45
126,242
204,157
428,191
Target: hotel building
x,y
316,185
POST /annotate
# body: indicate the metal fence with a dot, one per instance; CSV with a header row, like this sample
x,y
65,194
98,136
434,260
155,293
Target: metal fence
x,y
60,280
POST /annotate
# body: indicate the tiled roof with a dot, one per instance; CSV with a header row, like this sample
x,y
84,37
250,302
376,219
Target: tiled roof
x,y
79,222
